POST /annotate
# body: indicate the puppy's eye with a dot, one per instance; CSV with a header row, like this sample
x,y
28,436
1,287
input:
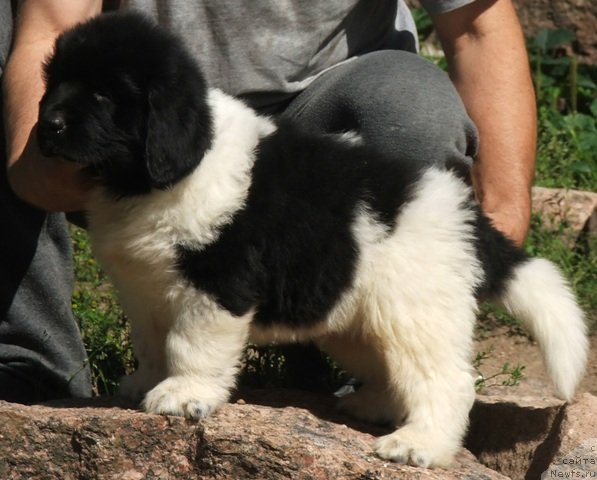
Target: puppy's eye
x,y
98,97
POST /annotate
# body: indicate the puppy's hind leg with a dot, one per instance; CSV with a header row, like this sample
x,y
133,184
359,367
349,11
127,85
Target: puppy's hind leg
x,y
427,355
203,351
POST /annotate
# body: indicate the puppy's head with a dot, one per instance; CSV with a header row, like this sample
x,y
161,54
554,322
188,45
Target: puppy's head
x,y
124,99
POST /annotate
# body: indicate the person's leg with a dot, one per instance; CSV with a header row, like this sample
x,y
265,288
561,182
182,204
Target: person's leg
x,y
41,351
398,102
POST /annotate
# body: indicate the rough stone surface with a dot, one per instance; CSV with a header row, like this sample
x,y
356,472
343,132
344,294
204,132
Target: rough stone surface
x,y
244,440
279,434
524,437
579,427
511,434
577,209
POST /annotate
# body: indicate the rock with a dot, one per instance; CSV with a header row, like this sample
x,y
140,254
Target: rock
x,y
244,440
577,209
533,437
277,434
509,433
577,440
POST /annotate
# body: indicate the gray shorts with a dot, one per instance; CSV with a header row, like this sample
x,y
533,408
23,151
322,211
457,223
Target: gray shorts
x,y
400,103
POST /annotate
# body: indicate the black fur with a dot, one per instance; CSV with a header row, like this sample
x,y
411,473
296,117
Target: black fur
x,y
125,99
291,251
498,256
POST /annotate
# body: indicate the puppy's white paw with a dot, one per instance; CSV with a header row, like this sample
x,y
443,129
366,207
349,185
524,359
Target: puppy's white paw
x,y
183,397
417,448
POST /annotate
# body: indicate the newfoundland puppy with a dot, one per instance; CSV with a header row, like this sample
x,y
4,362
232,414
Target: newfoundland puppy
x,y
219,226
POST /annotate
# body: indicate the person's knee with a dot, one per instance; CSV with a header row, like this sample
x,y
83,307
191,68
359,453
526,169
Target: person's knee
x,y
399,103
405,103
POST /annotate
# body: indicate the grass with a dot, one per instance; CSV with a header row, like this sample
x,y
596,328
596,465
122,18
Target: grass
x,y
103,325
567,157
507,376
567,113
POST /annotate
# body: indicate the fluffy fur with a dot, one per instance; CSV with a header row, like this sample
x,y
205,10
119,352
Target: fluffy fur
x,y
219,226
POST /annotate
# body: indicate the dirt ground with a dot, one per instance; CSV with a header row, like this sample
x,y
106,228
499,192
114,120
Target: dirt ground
x,y
505,346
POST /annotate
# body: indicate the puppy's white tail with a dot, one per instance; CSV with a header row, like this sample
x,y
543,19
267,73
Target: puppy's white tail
x,y
539,296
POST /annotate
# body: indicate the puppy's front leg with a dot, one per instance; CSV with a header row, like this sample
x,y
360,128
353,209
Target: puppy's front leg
x,y
203,350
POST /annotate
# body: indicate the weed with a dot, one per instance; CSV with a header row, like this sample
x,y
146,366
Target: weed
x,y
567,112
103,326
507,376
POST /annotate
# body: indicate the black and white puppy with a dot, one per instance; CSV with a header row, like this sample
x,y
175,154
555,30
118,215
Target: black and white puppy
x,y
219,226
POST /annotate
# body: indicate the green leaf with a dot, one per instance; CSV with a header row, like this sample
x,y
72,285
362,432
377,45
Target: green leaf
x,y
581,167
594,108
539,41
559,37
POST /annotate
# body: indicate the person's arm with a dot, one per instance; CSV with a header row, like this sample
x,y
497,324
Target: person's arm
x,y
49,184
488,63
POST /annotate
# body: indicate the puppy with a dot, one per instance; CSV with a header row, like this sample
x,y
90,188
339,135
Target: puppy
x,y
219,226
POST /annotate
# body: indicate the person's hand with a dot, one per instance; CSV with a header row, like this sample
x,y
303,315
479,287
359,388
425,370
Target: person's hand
x,y
51,184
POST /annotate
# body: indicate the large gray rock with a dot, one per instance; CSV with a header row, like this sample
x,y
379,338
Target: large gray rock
x,y
276,435
240,441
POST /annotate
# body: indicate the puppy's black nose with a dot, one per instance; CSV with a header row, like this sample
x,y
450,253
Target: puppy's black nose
x,y
50,131
53,122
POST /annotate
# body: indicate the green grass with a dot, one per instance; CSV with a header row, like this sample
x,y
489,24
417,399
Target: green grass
x,y
567,157
567,113
103,325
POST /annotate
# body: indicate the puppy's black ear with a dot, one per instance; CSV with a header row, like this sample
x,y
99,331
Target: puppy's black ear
x,y
179,131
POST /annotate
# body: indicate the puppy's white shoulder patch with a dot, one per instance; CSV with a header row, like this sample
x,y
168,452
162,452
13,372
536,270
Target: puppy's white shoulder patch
x,y
219,187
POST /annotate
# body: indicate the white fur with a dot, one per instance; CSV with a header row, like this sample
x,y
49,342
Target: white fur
x,y
404,328
540,297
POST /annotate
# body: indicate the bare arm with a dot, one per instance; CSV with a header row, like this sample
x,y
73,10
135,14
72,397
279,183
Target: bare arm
x,y
488,63
50,184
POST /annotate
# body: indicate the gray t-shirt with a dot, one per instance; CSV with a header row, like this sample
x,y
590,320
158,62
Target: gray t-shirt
x,y
266,50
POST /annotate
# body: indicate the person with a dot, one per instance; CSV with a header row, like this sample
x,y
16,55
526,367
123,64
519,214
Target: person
x,y
334,66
